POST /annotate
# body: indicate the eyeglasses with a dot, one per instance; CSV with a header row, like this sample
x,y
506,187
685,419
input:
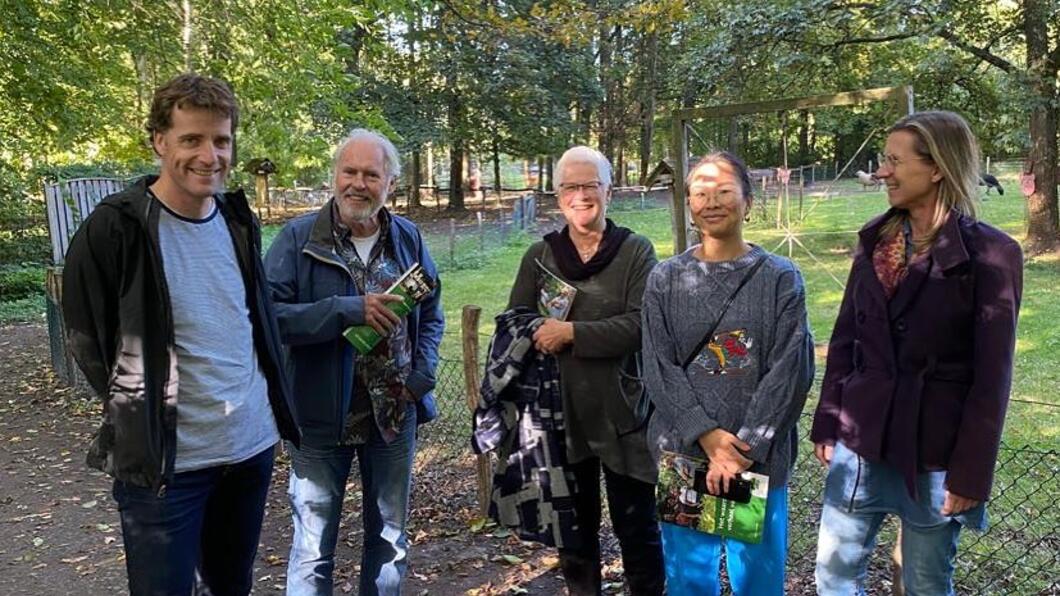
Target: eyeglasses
x,y
893,161
721,195
569,188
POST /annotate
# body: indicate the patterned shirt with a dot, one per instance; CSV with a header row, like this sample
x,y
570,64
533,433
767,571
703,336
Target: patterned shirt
x,y
892,257
379,388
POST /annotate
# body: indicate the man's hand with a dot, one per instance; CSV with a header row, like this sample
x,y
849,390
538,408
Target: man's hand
x,y
824,452
723,449
956,504
378,316
552,336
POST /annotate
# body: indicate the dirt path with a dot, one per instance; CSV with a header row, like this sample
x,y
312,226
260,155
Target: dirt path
x,y
60,533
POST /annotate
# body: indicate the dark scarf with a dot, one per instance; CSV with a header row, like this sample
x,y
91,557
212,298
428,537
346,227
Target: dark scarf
x,y
570,263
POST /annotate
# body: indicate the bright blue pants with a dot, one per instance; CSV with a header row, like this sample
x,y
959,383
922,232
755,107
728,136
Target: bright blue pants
x,y
693,559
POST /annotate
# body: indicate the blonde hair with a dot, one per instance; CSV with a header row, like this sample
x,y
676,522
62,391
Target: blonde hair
x,y
946,140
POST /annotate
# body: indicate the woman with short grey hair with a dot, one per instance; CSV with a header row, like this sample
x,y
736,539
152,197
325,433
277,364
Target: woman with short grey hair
x,y
594,345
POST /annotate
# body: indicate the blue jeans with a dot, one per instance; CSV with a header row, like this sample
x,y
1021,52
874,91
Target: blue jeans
x,y
207,524
858,496
317,489
693,558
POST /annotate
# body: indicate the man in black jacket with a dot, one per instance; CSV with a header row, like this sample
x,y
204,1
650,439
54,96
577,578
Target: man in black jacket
x,y
169,317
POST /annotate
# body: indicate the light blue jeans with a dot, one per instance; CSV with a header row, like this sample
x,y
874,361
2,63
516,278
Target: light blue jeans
x,y
317,489
858,496
693,558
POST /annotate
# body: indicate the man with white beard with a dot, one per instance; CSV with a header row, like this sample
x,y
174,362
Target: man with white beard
x,y
328,271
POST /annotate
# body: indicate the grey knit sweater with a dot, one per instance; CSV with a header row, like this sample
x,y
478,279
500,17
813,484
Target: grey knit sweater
x,y
754,377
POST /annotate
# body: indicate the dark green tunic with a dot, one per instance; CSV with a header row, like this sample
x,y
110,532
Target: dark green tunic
x,y
606,317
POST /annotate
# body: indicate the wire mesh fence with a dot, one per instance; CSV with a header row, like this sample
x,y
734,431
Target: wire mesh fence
x,y
455,246
1018,554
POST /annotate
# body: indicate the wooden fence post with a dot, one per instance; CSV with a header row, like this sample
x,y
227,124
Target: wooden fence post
x,y
472,382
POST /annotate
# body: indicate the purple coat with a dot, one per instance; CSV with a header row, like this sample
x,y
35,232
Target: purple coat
x,y
922,381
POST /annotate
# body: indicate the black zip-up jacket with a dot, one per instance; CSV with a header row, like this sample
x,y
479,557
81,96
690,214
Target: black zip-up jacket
x,y
119,325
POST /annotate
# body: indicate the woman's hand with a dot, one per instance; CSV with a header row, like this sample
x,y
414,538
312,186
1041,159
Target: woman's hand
x,y
823,452
723,449
956,504
552,336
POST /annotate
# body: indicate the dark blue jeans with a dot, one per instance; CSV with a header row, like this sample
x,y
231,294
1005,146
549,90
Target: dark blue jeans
x,y
206,524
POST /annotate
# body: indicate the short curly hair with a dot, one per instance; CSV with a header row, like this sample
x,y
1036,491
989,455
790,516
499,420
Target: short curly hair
x,y
191,91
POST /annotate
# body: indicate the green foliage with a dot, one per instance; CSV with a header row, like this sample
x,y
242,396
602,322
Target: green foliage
x,y
23,310
529,78
23,231
47,174
18,282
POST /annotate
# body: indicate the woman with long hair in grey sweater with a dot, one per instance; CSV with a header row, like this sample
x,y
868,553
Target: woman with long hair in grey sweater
x,y
728,358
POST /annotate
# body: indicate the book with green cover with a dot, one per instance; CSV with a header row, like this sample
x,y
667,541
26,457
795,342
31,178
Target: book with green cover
x,y
683,499
414,285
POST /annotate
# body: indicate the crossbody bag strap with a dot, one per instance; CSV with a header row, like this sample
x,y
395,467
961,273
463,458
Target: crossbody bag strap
x,y
725,307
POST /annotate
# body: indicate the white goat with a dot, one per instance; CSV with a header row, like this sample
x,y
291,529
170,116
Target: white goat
x,y
866,180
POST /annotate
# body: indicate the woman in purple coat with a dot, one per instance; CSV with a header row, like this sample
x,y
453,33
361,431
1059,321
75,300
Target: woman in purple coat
x,y
919,366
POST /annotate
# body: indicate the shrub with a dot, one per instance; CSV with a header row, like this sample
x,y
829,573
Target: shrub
x,y
17,282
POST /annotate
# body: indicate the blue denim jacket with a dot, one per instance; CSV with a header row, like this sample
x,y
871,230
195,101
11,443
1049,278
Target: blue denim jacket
x,y
316,300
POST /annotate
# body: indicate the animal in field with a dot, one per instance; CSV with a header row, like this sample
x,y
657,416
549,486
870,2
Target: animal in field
x,y
866,180
991,182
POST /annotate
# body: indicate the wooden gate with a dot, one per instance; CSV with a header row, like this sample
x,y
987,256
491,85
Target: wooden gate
x,y
69,202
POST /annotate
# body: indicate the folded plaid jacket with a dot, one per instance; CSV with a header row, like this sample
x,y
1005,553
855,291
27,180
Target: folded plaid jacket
x,y
520,417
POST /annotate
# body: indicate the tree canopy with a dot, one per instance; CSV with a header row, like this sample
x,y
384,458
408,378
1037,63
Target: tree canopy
x,y
526,78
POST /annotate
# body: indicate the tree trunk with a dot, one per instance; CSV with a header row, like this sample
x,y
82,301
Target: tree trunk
x,y
784,138
1043,225
456,174
456,144
187,33
548,170
607,108
430,166
837,153
813,142
540,173
804,137
733,142
647,104
497,168
415,181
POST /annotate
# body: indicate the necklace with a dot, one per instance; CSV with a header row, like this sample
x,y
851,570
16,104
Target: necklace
x,y
587,253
